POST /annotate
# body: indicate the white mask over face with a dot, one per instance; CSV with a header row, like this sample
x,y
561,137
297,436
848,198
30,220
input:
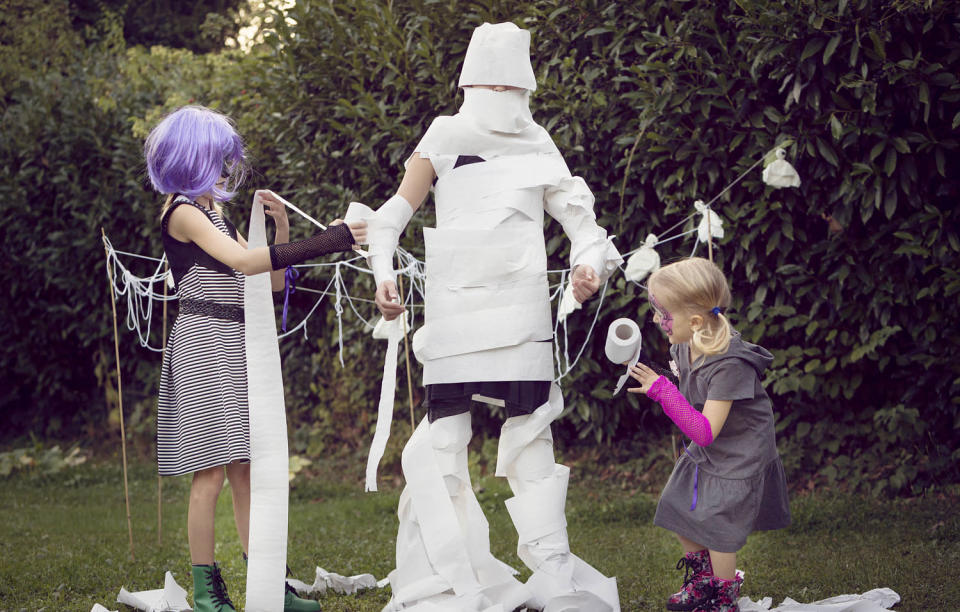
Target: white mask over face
x,y
499,111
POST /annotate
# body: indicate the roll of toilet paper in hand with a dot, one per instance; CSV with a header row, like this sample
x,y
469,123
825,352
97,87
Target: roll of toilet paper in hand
x,y
623,346
623,341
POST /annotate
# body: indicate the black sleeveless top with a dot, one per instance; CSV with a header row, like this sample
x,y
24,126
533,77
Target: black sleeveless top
x,y
182,255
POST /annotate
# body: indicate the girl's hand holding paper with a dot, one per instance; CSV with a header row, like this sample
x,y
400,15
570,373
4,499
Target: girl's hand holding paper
x,y
644,375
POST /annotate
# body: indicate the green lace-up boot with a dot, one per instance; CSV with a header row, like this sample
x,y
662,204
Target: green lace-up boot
x,y
294,603
209,591
291,601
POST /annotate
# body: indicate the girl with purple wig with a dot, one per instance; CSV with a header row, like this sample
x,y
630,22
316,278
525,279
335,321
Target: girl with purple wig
x,y
196,157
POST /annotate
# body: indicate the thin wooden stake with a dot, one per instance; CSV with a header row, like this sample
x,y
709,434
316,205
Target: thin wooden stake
x,y
626,173
163,353
406,350
709,237
123,436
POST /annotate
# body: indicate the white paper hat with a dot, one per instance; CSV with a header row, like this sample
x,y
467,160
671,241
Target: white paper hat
x,y
498,54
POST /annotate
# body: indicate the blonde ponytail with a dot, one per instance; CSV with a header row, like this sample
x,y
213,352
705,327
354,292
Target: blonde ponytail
x,y
713,338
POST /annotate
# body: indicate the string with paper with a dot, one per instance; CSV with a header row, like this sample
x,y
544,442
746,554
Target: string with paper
x,y
140,293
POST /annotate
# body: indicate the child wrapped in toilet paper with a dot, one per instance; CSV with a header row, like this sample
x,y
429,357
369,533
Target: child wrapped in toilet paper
x,y
488,336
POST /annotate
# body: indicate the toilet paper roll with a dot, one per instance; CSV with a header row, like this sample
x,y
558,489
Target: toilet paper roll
x,y
623,346
623,341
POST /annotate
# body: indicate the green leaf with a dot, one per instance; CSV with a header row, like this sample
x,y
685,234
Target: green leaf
x,y
773,115
811,48
827,152
890,203
890,163
878,45
835,127
596,31
831,47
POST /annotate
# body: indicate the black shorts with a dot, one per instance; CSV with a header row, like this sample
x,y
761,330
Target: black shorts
x,y
519,396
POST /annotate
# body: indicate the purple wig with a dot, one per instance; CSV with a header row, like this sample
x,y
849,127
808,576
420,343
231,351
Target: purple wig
x,y
191,150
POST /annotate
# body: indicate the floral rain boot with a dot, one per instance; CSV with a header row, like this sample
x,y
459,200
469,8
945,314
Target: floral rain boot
x,y
696,575
209,591
725,595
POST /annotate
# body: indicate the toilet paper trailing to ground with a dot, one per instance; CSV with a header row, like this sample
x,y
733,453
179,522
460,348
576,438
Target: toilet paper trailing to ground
x,y
623,346
392,331
269,462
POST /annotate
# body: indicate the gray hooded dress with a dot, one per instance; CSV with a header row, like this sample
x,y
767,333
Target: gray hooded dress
x,y
718,494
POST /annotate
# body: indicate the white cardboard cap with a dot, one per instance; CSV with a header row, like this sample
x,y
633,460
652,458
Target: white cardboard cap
x,y
498,54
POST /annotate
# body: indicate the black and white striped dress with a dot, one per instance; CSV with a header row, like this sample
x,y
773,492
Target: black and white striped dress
x,y
202,416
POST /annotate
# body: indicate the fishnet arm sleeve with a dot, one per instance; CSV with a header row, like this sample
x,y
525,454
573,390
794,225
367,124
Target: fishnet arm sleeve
x,y
332,240
688,419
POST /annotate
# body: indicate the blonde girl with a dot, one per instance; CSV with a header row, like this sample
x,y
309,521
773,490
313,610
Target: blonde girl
x,y
729,482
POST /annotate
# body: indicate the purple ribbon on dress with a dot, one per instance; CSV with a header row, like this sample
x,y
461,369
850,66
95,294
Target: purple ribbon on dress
x,y
290,276
696,478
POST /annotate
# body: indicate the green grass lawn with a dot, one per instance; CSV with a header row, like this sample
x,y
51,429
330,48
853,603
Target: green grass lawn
x,y
64,546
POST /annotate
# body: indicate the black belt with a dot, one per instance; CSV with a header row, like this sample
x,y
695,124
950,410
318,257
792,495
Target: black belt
x,y
211,309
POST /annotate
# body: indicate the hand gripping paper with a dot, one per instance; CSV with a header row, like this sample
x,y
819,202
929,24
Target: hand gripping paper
x,y
623,346
268,437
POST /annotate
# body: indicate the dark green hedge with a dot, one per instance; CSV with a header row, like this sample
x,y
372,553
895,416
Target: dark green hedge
x,y
851,280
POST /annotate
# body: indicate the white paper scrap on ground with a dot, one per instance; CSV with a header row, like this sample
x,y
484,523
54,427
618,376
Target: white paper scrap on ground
x,y
623,346
171,598
392,331
876,600
99,608
780,173
269,463
344,585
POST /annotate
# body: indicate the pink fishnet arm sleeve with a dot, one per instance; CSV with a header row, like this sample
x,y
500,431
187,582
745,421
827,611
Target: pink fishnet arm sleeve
x,y
692,423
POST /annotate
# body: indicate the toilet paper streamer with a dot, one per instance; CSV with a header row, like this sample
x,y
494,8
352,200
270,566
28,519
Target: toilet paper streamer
x,y
623,346
269,462
393,332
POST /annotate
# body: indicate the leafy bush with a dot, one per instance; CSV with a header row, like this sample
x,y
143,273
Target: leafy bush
x,y
832,277
655,103
38,461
